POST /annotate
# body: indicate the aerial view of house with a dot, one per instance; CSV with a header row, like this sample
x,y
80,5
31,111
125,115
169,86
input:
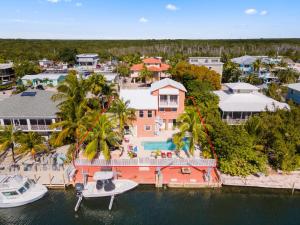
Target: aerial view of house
x,y
149,112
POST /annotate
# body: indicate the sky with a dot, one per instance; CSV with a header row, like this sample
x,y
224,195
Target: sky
x,y
149,19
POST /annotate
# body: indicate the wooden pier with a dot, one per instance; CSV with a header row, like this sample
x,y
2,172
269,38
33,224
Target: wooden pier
x,y
51,177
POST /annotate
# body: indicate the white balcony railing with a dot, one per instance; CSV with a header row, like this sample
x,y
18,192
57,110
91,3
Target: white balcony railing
x,y
147,162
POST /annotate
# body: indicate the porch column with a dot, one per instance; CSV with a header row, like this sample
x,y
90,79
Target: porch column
x,y
1,122
28,124
53,121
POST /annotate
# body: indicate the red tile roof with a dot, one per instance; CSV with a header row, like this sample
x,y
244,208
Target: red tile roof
x,y
151,60
139,67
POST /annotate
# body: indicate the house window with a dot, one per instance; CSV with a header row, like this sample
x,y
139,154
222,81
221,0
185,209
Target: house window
x,y
163,98
173,99
7,122
149,113
161,109
147,127
174,109
141,113
174,122
292,92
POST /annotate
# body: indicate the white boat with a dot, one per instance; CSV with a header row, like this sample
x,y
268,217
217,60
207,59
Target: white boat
x,y
103,185
17,190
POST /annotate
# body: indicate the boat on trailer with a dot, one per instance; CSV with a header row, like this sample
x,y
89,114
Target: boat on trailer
x,y
103,185
16,191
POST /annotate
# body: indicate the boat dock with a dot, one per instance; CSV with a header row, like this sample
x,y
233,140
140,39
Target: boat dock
x,y
48,175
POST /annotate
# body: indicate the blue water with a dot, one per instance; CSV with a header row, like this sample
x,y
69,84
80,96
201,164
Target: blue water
x,y
148,206
163,145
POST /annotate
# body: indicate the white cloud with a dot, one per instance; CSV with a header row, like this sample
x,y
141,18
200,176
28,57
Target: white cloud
x,y
78,4
143,20
53,1
171,7
263,13
250,11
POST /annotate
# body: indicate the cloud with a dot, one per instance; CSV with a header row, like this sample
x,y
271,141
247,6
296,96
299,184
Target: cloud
x,y
263,13
250,11
78,4
143,20
53,1
171,7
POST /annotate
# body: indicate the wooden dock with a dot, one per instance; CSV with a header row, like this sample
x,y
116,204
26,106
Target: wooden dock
x,y
51,177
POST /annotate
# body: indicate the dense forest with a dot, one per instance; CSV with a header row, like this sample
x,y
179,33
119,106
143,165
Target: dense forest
x,y
20,49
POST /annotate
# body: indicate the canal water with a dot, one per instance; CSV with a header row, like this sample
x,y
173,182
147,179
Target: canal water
x,y
146,205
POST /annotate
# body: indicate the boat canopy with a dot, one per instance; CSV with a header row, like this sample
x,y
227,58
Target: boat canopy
x,y
103,175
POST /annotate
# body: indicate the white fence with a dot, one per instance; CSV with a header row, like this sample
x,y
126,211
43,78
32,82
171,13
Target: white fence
x,y
147,162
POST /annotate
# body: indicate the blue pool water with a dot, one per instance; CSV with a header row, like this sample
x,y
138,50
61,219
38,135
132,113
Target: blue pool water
x,y
163,145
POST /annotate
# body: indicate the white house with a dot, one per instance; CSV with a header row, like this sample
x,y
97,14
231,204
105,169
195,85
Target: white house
x,y
6,72
87,61
213,63
44,79
241,100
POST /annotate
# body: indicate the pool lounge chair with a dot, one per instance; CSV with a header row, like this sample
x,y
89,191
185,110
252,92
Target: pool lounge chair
x,y
163,155
169,154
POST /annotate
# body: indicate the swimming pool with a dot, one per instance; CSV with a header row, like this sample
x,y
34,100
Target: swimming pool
x,y
163,145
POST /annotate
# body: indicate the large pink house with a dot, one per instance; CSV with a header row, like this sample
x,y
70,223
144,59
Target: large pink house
x,y
157,107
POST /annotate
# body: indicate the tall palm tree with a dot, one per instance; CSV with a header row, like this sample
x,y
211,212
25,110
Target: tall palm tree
x,y
31,142
124,114
72,108
9,137
109,92
102,136
96,83
189,124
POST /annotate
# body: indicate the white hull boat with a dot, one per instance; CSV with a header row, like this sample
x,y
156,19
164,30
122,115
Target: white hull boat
x,y
104,185
121,186
17,191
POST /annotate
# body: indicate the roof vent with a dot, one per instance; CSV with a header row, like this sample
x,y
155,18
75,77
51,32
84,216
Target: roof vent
x,y
28,93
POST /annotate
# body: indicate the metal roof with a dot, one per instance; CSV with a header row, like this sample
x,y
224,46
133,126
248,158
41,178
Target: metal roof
x,y
38,106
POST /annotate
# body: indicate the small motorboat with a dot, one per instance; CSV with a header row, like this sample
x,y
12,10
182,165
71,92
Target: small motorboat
x,y
17,190
103,185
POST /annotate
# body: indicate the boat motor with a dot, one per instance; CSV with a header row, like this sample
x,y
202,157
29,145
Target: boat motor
x,y
79,188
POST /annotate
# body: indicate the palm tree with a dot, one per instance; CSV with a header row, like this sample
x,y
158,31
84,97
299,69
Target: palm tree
x,y
102,136
109,92
96,83
124,114
73,106
8,139
189,124
145,74
257,65
31,142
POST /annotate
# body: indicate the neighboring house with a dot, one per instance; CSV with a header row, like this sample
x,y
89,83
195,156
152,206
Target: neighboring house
x,y
213,63
45,63
43,79
157,107
29,111
294,92
87,61
6,73
246,62
155,65
242,100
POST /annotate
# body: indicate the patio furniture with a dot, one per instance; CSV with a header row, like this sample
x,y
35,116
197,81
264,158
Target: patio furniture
x,y
126,139
163,155
135,149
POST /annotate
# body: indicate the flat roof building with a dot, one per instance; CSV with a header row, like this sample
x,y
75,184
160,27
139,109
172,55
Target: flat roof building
x,y
213,63
6,73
